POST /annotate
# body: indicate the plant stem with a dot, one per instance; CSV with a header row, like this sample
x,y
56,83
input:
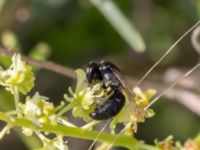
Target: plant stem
x,y
16,98
124,140
67,108
90,124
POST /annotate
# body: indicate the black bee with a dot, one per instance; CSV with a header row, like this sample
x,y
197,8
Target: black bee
x,y
111,77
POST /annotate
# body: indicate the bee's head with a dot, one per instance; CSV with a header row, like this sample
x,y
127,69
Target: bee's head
x,y
92,72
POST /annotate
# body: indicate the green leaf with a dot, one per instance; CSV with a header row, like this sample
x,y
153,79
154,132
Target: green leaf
x,y
81,77
2,2
120,23
40,52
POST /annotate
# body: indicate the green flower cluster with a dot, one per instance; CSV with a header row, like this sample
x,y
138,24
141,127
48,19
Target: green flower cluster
x,y
38,110
84,96
170,144
19,76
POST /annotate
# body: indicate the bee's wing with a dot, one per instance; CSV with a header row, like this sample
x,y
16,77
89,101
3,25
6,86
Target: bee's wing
x,y
119,76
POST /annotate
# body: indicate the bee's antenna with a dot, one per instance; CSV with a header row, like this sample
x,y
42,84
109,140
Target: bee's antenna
x,y
166,53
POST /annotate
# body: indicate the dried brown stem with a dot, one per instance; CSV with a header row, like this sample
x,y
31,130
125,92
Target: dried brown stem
x,y
48,65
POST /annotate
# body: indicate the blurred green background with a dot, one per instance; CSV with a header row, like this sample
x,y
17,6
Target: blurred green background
x,y
74,32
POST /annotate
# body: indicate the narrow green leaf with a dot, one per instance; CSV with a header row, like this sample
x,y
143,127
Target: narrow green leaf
x,y
120,23
2,4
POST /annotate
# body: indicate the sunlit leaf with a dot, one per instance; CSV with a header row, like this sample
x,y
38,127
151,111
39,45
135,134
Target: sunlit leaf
x,y
120,23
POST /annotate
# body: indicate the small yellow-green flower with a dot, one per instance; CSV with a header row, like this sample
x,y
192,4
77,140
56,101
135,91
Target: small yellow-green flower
x,y
38,109
19,76
52,144
192,144
133,111
167,144
27,131
143,98
84,96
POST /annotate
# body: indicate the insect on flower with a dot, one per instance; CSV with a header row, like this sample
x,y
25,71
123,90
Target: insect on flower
x,y
110,75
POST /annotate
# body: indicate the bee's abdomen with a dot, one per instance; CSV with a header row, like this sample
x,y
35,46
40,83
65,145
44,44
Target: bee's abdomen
x,y
109,108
